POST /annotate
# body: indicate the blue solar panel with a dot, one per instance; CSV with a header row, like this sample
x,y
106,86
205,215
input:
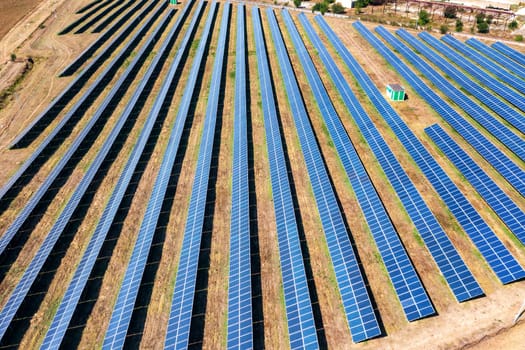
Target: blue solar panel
x,y
450,263
510,52
504,265
68,304
514,142
240,333
356,301
492,83
121,316
410,291
488,65
178,331
499,160
497,57
508,113
502,205
301,324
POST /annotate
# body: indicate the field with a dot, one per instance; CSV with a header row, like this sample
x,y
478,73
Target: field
x,y
482,323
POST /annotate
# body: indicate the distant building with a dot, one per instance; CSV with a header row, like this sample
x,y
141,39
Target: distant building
x,y
347,3
396,92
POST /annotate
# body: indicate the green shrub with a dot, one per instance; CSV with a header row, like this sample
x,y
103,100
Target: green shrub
x,y
424,18
518,38
459,26
513,25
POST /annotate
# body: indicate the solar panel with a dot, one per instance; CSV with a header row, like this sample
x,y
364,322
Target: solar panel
x,y
486,64
240,332
510,52
121,316
450,263
407,285
497,57
512,141
508,113
301,323
502,205
504,265
499,160
75,288
492,83
178,331
21,290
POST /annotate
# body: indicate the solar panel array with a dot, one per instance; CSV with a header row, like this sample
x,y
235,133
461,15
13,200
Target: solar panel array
x,y
488,65
77,142
498,200
499,160
121,316
450,263
497,256
102,14
510,52
30,274
62,318
497,57
514,142
47,143
301,324
240,332
409,289
178,331
492,83
508,113
356,301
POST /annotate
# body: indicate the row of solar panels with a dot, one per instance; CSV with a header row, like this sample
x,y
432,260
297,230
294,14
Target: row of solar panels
x,y
356,301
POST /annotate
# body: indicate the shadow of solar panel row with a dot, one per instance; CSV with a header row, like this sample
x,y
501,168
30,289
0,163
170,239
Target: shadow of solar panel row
x,y
510,52
492,83
100,27
240,331
497,57
512,141
403,276
512,116
499,160
301,323
109,19
22,288
119,38
498,200
103,14
68,304
122,311
88,6
474,56
71,26
501,261
84,140
456,273
354,294
76,111
178,330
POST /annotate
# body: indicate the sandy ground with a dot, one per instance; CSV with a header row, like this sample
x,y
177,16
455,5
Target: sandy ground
x,y
485,323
